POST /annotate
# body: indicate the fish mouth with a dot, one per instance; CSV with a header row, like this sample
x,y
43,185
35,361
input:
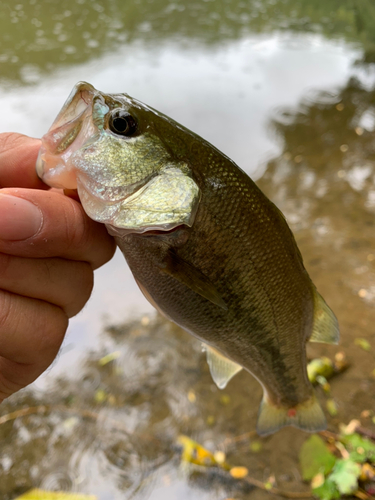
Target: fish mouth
x,y
73,125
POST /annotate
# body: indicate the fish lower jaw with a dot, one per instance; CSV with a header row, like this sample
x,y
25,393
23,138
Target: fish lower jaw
x,y
53,172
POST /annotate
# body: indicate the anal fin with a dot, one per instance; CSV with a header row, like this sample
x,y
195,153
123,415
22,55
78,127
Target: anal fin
x,y
307,416
325,325
222,369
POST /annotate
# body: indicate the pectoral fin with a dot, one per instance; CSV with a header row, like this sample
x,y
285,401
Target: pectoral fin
x,y
193,278
222,369
325,325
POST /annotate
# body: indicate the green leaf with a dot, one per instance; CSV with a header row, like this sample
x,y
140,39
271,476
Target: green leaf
x,y
345,474
361,449
37,494
315,457
363,344
327,491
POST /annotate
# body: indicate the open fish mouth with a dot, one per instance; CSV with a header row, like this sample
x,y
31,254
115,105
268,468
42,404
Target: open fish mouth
x,y
72,125
99,145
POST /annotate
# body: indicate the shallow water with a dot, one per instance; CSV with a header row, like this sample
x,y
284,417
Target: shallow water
x,y
285,90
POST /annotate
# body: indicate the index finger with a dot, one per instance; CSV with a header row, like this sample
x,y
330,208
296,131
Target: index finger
x,y
18,154
62,228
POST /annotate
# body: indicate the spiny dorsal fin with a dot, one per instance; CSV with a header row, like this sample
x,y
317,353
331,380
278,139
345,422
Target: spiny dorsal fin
x,y
222,369
307,416
325,325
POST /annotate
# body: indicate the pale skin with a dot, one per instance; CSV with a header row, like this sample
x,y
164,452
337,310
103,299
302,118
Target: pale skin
x,y
48,251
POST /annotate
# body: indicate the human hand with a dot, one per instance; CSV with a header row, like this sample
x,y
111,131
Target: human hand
x,y
48,251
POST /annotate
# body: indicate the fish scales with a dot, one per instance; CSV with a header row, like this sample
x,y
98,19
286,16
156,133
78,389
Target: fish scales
x,y
255,296
204,244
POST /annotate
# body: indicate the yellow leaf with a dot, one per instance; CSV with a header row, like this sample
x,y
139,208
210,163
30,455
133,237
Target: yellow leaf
x,y
363,344
191,396
109,357
238,472
219,456
194,453
37,494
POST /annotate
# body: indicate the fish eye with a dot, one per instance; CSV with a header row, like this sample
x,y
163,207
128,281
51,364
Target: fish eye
x,y
122,123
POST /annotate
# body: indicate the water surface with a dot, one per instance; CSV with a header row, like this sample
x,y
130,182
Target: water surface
x,y
286,89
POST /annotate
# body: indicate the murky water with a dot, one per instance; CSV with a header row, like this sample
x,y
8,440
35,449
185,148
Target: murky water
x,y
286,89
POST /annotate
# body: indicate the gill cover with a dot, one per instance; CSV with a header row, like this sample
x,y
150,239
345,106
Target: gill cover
x,y
127,181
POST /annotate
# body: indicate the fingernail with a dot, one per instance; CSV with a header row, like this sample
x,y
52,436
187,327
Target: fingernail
x,y
19,219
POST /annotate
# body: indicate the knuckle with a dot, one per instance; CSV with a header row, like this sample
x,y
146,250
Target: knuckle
x,y
52,328
5,265
77,229
81,288
6,310
10,141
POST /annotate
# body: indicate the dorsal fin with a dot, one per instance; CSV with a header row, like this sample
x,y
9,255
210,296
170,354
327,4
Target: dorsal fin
x,y
222,369
325,325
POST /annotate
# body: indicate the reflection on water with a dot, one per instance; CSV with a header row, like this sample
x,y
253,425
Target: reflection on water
x,y
324,182
38,37
121,423
112,432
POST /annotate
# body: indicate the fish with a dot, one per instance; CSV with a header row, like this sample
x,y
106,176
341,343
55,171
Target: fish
x,y
206,247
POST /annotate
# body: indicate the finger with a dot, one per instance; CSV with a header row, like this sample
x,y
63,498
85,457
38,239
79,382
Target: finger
x,y
42,224
18,154
31,334
65,283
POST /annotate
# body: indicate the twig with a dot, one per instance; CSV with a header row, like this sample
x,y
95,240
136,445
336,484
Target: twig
x,y
365,432
228,441
363,495
277,491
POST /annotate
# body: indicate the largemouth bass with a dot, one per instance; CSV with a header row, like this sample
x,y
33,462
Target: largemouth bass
x,y
204,244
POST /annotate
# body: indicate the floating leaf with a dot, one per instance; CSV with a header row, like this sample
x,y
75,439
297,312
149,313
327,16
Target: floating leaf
x,y
195,453
191,396
326,491
255,446
219,456
225,399
363,344
37,494
100,396
315,457
361,449
109,357
345,474
238,472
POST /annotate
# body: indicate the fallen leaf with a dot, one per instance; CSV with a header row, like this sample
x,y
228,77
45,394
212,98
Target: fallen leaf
x,y
255,446
345,474
37,494
363,344
109,357
238,472
315,458
360,448
326,491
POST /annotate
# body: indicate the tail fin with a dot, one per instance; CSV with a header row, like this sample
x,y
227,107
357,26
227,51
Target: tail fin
x,y
307,416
